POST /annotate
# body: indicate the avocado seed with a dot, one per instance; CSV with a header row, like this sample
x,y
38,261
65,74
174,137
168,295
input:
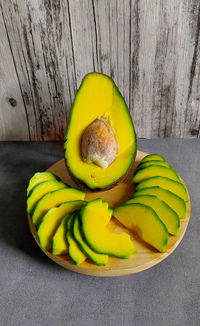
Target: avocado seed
x,y
99,144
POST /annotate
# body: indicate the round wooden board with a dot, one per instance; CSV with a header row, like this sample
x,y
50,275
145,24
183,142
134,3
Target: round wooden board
x,y
145,257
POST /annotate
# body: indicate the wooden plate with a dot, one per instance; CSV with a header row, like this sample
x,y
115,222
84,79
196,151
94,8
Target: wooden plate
x,y
145,257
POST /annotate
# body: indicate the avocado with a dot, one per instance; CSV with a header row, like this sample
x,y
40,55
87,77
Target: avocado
x,y
52,219
166,214
148,163
59,241
53,199
176,187
100,143
143,220
155,170
172,200
96,258
41,190
99,237
38,178
153,157
75,251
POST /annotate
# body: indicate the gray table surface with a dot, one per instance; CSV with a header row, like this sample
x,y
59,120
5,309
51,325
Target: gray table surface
x,y
35,291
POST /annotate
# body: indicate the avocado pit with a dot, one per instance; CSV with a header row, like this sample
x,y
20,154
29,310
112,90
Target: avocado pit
x,y
99,143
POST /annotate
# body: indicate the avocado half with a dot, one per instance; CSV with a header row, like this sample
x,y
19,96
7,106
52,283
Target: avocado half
x,y
98,97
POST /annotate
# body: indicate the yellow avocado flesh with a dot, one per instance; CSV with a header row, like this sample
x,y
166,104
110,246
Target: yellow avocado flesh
x,y
99,237
53,199
155,170
164,212
98,259
38,178
145,222
52,219
165,183
75,252
59,242
98,97
172,200
153,157
148,163
41,190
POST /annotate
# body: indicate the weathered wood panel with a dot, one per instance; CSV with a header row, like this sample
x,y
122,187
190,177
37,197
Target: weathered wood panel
x,y
150,48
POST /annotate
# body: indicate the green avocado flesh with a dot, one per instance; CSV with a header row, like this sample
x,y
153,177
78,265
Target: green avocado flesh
x,y
41,190
75,252
153,157
165,183
155,170
172,200
98,97
148,163
99,237
53,199
145,222
98,259
164,212
40,177
59,240
52,219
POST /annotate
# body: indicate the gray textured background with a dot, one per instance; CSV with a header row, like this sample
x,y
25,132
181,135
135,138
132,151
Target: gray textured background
x,y
34,291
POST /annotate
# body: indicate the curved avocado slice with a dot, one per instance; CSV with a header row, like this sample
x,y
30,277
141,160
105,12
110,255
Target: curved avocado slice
x,y
148,163
99,237
172,200
40,190
176,187
53,199
155,170
40,177
143,220
153,157
98,97
52,219
167,215
75,251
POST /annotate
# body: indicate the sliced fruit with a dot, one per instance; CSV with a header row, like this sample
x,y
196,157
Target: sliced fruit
x,y
75,252
148,163
41,190
53,199
99,237
40,177
52,219
167,215
145,222
100,142
155,170
98,259
176,187
172,200
153,157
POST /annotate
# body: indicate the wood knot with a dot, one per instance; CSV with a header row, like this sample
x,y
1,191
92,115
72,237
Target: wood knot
x,y
12,101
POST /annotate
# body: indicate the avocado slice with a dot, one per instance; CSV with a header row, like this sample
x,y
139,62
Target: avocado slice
x,y
176,187
143,220
75,251
52,219
53,199
155,170
153,157
99,98
172,200
41,190
148,163
99,237
40,177
99,259
166,214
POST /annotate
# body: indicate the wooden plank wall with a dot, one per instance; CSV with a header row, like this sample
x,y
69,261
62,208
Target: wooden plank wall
x,y
151,48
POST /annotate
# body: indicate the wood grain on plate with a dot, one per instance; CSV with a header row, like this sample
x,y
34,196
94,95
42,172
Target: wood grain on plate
x,y
145,257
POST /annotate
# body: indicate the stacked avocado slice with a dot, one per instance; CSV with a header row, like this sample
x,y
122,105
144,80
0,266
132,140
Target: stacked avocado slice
x,y
158,203
66,224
